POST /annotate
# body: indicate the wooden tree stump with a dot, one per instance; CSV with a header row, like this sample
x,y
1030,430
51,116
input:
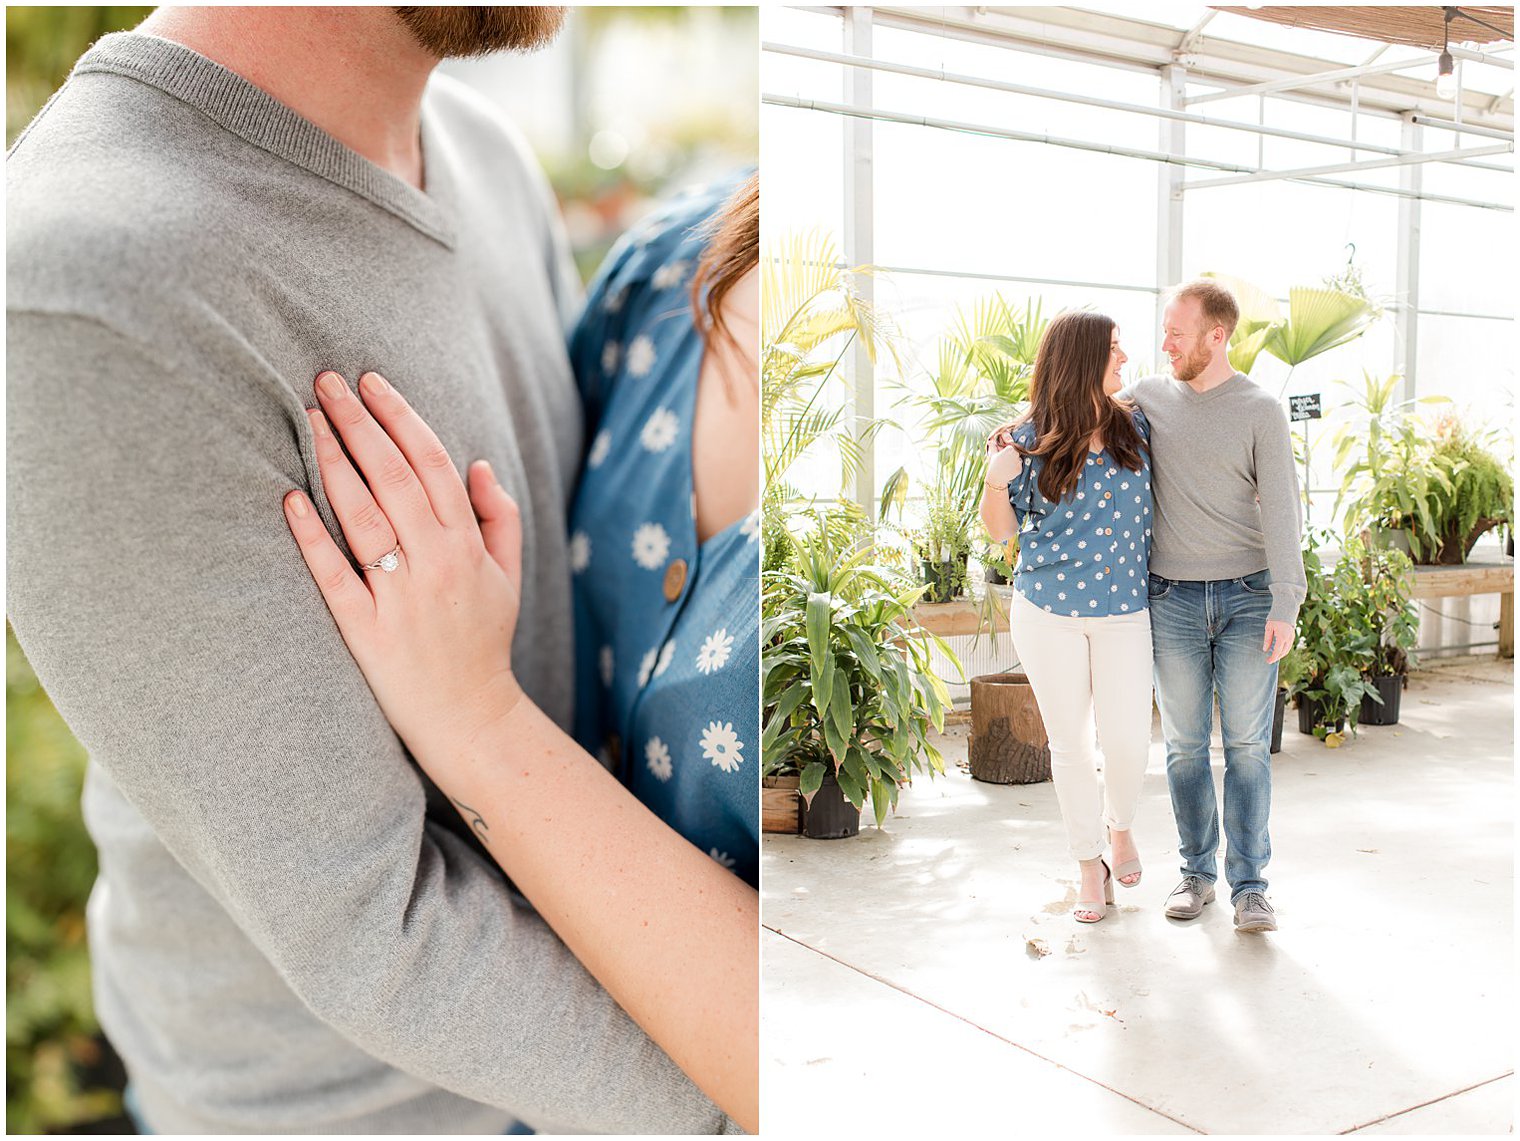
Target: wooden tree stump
x,y
1008,740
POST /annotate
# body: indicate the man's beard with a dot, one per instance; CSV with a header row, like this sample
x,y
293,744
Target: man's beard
x,y
1191,366
468,31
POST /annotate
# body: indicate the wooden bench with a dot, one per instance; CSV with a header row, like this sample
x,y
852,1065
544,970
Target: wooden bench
x,y
1492,575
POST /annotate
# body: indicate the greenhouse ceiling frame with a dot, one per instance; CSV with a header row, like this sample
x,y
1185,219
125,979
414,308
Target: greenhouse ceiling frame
x,y
1375,89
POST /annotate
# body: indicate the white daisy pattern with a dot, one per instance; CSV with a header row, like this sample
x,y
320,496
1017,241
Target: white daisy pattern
x,y
646,667
657,757
607,664
722,859
641,356
715,650
721,745
610,357
669,275
667,654
750,528
660,430
651,544
580,552
600,447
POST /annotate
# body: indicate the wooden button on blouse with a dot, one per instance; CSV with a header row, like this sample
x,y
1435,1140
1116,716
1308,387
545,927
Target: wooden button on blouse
x,y
675,579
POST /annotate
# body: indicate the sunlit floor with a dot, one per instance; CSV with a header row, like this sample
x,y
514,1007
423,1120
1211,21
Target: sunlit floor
x,y
930,976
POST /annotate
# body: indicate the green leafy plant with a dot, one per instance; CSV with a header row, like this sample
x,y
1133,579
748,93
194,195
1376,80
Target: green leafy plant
x,y
1383,609
1335,646
1481,493
1438,484
943,545
1382,453
846,678
984,364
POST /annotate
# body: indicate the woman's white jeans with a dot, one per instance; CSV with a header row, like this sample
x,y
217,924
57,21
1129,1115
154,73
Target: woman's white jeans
x,y
1087,673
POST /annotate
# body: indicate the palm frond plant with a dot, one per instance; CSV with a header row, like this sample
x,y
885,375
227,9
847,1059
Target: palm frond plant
x,y
848,691
1319,318
812,316
984,362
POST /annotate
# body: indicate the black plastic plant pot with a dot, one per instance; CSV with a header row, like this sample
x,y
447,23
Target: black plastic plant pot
x,y
830,816
994,575
1279,710
1389,688
939,578
1310,714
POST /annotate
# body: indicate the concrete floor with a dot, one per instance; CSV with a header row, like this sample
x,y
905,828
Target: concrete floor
x,y
930,976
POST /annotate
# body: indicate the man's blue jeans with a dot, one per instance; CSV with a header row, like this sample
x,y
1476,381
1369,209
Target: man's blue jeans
x,y
1207,638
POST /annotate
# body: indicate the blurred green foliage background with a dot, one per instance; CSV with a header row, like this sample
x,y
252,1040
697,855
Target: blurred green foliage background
x,y
61,1075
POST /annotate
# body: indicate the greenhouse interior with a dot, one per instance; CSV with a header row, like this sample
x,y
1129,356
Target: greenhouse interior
x,y
940,183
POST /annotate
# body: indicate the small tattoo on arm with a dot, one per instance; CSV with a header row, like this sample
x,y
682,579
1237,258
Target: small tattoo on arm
x,y
477,822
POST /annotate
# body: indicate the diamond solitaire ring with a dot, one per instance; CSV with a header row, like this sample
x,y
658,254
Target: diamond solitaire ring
x,y
386,562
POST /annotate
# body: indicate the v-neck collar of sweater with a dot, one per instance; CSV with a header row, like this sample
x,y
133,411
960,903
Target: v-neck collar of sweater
x,y
1229,384
259,118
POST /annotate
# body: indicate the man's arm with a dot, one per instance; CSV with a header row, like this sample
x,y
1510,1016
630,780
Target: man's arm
x,y
155,587
1281,513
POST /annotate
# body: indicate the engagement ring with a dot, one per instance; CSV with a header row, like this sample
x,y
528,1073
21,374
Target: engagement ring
x,y
386,562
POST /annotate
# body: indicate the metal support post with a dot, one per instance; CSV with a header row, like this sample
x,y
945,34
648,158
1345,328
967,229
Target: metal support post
x,y
859,235
1169,215
1407,287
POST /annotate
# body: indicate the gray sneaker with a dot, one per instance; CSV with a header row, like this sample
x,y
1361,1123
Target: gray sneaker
x,y
1188,897
1254,913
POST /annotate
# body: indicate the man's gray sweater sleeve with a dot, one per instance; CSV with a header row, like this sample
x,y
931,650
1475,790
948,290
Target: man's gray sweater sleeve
x,y
157,591
1281,512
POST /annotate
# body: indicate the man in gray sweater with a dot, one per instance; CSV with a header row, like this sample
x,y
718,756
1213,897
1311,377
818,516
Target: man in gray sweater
x,y
1226,583
288,933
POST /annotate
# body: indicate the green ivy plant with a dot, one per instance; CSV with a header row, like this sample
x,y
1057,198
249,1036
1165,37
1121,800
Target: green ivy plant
x,y
847,682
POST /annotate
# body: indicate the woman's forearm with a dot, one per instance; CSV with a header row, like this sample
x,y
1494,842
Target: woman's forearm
x,y
997,513
672,935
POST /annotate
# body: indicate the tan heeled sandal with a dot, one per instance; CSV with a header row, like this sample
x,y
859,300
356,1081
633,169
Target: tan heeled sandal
x,y
1127,868
1097,909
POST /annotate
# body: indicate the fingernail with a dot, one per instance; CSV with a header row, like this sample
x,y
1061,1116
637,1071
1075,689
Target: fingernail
x,y
373,384
295,503
318,422
331,385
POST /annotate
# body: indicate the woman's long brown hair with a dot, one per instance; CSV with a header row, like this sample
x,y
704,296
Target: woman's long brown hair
x,y
733,252
1068,404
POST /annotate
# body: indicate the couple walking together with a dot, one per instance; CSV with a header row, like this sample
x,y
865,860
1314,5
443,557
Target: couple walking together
x,y
1158,536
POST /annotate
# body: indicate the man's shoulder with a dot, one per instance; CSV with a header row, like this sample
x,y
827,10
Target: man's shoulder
x,y
1144,389
1261,405
478,128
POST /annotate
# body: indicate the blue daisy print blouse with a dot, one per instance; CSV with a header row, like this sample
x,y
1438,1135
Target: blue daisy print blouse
x,y
666,627
1087,555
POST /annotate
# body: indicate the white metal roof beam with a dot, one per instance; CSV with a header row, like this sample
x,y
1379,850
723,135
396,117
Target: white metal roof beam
x,y
1344,167
993,131
1340,75
1138,45
1068,97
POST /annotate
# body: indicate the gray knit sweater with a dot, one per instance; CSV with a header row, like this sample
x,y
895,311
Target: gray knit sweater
x,y
1225,488
284,939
